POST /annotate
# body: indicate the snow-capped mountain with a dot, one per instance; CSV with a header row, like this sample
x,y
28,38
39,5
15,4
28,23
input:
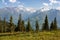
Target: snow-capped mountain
x,y
29,12
15,11
52,13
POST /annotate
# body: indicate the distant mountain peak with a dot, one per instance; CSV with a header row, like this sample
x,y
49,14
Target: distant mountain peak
x,y
26,12
44,9
31,10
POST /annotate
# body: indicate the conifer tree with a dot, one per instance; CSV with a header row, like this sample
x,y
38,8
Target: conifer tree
x,y
37,26
28,28
45,24
5,24
11,25
55,24
23,26
0,25
19,28
52,26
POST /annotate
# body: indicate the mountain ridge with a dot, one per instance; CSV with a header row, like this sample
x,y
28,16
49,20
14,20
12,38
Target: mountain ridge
x,y
8,11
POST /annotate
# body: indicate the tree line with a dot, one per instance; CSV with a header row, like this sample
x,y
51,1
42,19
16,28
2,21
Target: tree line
x,y
10,27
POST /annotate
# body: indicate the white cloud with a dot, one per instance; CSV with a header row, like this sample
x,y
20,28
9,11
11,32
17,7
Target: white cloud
x,y
54,1
20,7
46,4
13,1
45,7
28,9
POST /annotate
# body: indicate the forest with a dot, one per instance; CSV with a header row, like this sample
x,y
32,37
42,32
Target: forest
x,y
20,27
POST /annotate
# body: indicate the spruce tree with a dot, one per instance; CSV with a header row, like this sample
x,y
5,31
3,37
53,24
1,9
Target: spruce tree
x,y
0,25
5,24
37,26
45,24
28,28
51,26
11,25
55,24
19,28
23,26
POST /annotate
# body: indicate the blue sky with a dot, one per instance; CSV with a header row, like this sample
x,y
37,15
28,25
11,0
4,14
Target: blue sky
x,y
36,4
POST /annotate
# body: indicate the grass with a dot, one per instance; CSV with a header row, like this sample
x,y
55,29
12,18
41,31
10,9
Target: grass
x,y
53,35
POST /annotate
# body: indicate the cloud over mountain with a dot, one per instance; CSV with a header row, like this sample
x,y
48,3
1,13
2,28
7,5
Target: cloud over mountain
x,y
13,1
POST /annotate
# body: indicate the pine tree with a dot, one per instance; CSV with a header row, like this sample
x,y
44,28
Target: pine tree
x,y
11,25
23,26
5,24
52,26
55,24
1,26
28,28
45,24
19,28
37,26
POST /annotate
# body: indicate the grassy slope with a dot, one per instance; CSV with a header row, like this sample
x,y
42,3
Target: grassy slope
x,y
54,35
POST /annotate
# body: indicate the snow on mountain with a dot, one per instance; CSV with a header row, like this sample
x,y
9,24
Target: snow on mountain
x,y
29,12
15,11
45,8
52,13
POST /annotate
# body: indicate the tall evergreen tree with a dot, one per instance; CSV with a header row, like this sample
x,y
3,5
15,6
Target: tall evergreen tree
x,y
19,28
52,26
1,26
11,25
45,24
55,24
5,24
37,26
28,28
23,26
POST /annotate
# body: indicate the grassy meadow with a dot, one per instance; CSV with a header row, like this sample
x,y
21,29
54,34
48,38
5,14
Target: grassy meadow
x,y
53,35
